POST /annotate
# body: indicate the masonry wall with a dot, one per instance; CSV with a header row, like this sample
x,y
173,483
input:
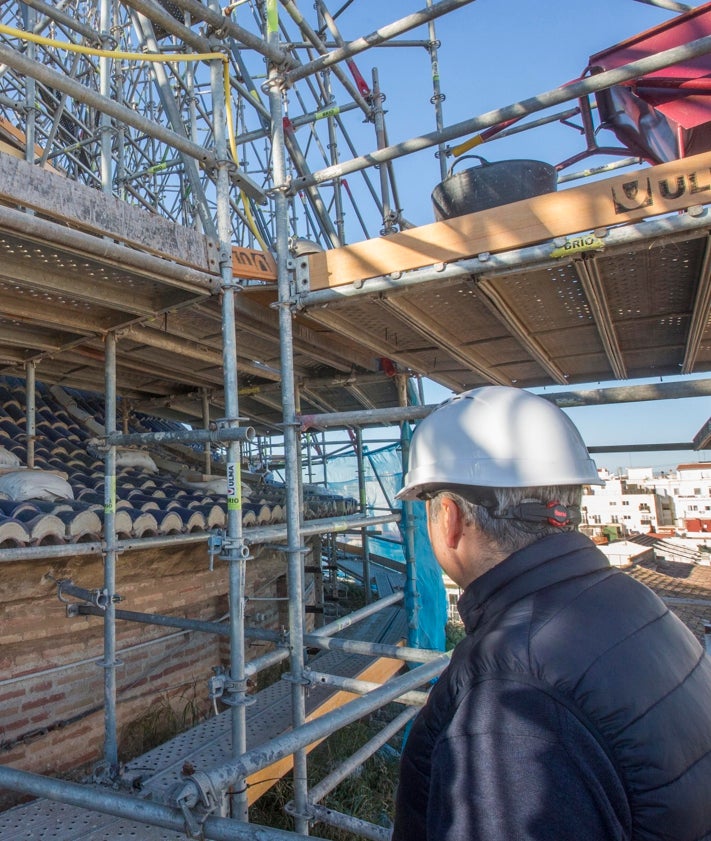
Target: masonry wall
x,y
51,673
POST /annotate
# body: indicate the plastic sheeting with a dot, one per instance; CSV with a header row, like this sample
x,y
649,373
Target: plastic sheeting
x,y
383,479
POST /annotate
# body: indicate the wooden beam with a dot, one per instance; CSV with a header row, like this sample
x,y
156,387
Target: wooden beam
x,y
249,264
261,781
637,195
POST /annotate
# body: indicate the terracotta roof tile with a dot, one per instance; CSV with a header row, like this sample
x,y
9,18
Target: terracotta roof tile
x,y
148,502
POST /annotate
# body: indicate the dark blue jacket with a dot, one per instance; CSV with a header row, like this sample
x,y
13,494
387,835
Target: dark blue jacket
x,y
577,708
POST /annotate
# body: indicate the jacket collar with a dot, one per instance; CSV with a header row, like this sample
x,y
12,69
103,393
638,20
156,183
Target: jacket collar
x,y
549,560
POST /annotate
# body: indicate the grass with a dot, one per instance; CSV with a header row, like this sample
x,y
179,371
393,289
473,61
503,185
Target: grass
x,y
368,794
166,717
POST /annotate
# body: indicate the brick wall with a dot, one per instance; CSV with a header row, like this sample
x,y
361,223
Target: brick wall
x,y
51,677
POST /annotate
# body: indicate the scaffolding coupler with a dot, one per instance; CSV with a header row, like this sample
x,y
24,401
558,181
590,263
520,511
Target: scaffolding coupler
x,y
98,598
207,800
226,548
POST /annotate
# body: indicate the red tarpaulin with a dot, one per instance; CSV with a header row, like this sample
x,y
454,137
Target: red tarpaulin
x,y
666,114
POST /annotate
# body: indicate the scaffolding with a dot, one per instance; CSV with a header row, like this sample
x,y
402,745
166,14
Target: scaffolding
x,y
240,124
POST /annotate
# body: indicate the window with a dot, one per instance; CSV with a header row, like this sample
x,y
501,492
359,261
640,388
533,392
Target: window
x,y
625,502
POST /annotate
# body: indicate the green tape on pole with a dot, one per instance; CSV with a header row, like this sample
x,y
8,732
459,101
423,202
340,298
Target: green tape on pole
x,y
272,17
234,486
327,112
110,503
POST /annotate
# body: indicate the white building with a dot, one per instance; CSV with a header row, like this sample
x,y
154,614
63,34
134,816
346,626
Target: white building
x,y
625,508
689,486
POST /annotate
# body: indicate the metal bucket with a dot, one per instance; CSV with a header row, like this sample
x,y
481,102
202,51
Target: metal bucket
x,y
491,185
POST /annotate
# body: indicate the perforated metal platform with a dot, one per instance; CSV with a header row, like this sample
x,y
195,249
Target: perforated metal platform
x,y
632,310
208,745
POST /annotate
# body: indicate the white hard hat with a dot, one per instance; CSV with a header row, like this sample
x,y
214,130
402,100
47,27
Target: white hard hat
x,y
497,437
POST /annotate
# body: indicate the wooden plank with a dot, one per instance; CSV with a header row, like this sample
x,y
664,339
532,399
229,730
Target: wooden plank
x,y
637,195
250,264
378,672
65,201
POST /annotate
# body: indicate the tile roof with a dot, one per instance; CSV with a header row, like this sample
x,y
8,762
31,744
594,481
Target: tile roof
x,y
684,586
150,500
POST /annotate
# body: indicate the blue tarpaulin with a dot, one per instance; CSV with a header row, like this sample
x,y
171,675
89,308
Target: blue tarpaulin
x,y
383,479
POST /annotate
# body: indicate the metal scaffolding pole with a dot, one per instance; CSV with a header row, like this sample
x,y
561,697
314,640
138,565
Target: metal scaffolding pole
x,y
389,216
327,784
382,34
146,36
566,93
670,5
105,70
205,401
364,510
80,93
354,91
235,551
111,765
63,19
31,411
255,536
363,829
295,561
437,97
136,808
223,23
30,93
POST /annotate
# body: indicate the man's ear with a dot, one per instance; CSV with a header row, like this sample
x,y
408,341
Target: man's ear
x,y
452,522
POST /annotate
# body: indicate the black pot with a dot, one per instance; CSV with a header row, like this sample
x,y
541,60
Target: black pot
x,y
491,185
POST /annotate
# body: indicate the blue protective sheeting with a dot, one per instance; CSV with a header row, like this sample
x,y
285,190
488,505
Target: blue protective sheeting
x,y
383,479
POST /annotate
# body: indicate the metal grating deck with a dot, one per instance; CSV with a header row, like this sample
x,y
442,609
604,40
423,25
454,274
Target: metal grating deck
x,y
206,745
635,309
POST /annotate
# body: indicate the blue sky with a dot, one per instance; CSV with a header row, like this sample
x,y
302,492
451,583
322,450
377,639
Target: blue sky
x,y
494,53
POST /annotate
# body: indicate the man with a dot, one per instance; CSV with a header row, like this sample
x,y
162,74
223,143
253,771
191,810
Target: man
x,y
578,707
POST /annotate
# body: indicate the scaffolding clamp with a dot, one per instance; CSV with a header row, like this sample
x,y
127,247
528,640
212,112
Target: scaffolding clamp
x,y
236,693
232,692
309,814
302,279
201,793
214,547
300,680
99,598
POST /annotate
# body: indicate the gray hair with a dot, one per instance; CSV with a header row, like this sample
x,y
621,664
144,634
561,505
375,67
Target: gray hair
x,y
505,532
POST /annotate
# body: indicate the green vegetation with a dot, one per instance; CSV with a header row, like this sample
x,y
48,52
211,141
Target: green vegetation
x,y
454,632
166,717
368,794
